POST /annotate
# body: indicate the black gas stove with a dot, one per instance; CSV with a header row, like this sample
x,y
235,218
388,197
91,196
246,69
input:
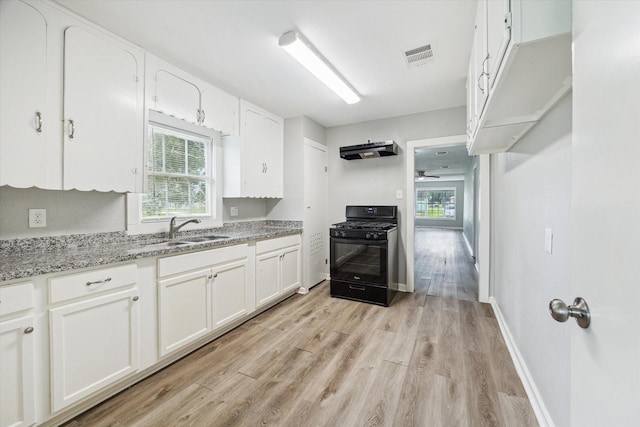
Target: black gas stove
x,y
364,254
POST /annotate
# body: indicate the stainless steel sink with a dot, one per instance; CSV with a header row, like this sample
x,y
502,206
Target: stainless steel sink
x,y
167,243
204,239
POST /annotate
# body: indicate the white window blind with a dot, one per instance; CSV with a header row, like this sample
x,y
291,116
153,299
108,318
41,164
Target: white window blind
x,y
179,174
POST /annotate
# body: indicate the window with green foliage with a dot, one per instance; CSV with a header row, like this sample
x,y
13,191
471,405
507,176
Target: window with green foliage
x,y
436,203
179,174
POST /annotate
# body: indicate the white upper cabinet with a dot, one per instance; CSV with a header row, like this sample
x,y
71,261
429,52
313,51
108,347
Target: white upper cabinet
x,y
24,117
253,163
219,110
71,105
525,69
177,93
175,96
103,113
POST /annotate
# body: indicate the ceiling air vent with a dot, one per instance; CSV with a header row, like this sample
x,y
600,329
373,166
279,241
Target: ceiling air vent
x,y
419,55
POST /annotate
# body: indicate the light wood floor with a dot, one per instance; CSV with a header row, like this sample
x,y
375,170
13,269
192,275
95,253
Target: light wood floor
x,y
314,360
442,264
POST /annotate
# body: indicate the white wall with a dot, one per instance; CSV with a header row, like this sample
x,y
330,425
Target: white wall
x,y
467,221
531,188
291,206
74,212
375,181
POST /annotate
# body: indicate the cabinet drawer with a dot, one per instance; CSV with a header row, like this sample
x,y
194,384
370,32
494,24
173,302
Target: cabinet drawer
x,y
197,260
16,298
91,282
278,243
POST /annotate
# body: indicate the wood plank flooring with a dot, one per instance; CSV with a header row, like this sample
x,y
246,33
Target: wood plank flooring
x,y
314,360
442,264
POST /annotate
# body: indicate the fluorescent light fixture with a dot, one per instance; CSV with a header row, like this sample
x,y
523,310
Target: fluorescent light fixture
x,y
298,47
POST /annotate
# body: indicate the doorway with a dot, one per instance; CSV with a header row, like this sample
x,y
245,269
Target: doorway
x,y
482,220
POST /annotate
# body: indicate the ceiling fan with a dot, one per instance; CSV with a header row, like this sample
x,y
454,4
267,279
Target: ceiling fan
x,y
422,174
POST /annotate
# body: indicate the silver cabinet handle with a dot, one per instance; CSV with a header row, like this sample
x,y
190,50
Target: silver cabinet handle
x,y
28,330
38,121
580,310
108,279
202,117
72,129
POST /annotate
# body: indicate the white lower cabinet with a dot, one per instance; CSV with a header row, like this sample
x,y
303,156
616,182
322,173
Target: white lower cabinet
x,y
184,311
277,268
200,292
93,339
16,372
229,292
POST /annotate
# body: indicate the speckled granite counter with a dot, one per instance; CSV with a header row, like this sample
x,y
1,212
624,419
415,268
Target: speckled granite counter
x,y
21,258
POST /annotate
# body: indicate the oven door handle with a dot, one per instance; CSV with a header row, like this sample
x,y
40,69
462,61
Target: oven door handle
x,y
358,241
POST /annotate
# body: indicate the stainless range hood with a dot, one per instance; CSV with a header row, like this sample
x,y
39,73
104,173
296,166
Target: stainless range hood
x,y
369,150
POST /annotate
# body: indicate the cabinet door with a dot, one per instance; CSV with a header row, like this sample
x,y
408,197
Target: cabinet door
x,y
290,269
267,277
103,111
176,96
481,57
219,110
254,154
229,292
16,373
23,133
273,157
94,343
498,36
183,310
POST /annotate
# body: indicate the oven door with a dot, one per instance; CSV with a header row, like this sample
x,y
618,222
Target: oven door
x,y
359,261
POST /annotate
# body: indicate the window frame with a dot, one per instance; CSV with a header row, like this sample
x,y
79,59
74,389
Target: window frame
x,y
136,223
432,189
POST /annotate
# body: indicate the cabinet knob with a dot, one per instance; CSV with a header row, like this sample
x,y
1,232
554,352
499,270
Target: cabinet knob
x,y
28,330
136,298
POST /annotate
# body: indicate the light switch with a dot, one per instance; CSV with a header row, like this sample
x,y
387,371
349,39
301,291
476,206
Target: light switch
x,y
399,194
548,240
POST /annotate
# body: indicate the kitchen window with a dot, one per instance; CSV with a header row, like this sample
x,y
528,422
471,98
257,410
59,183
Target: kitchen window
x,y
179,175
436,203
183,177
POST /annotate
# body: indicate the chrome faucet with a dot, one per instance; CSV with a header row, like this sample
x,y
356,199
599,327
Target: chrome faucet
x,y
173,228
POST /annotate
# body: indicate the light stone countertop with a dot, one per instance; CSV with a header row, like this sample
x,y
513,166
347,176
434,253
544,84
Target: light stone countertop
x,y
22,258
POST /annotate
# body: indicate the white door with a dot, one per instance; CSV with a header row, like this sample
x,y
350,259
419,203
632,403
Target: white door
x,y
184,310
219,110
254,164
103,114
229,292
273,157
316,229
23,133
267,277
176,96
290,269
605,363
94,343
16,373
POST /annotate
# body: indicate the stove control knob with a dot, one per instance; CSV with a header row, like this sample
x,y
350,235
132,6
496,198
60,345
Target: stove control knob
x,y
343,234
375,235
367,236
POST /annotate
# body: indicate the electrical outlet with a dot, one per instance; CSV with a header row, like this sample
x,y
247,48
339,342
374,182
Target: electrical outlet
x,y
233,210
37,218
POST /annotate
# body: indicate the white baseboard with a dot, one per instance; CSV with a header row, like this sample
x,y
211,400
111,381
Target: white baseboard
x,y
402,287
543,416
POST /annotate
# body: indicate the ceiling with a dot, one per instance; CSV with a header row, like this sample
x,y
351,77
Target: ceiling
x,y
431,160
234,45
